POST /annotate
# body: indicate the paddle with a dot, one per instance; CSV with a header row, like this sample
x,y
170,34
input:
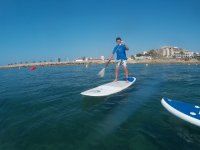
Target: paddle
x,y
102,72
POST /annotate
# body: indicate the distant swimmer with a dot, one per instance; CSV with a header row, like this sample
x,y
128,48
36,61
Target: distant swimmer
x,y
33,68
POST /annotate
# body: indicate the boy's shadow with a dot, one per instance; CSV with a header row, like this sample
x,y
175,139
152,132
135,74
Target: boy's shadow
x,y
90,102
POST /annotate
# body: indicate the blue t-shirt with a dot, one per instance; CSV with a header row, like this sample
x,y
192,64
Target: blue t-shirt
x,y
120,50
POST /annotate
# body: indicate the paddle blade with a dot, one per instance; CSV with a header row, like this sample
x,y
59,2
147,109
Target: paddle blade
x,y
102,73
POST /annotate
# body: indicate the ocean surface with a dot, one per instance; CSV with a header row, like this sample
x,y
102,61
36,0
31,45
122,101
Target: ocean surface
x,y
43,109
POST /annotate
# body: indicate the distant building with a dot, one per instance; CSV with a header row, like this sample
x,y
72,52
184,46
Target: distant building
x,y
168,51
142,57
183,54
102,58
145,52
175,52
79,60
59,59
188,54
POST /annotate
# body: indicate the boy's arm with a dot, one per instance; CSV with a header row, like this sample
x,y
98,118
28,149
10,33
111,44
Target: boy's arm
x,y
126,47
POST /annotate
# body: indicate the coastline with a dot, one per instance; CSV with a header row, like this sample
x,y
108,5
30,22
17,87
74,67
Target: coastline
x,y
129,61
164,61
64,63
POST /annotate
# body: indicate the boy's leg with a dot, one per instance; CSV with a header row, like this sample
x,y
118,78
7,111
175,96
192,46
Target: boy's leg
x,y
126,72
117,69
125,69
116,73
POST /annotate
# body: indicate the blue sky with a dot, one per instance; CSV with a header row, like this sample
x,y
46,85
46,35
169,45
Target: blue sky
x,y
48,29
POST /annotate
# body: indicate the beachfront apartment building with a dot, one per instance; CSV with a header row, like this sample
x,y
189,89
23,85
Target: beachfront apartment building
x,y
175,52
188,54
169,51
183,54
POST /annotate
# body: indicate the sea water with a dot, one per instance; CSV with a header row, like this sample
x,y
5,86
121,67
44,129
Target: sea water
x,y
43,109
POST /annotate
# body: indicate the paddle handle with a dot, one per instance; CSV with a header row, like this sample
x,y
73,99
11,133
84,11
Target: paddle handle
x,y
107,63
109,60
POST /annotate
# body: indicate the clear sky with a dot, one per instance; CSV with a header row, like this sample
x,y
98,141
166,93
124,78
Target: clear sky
x,y
48,29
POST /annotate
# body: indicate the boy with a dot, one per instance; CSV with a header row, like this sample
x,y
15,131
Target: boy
x,y
120,50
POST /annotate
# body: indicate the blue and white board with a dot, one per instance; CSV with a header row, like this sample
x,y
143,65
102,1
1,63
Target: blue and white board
x,y
185,111
110,88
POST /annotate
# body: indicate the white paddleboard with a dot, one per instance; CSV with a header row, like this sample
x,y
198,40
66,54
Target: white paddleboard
x,y
185,111
110,88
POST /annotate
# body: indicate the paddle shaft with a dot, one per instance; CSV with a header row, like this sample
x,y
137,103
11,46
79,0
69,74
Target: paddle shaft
x,y
111,58
107,63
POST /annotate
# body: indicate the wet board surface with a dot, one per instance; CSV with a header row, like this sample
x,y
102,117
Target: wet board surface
x,y
185,111
110,88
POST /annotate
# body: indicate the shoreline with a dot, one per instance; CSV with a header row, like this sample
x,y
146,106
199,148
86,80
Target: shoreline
x,y
49,64
155,61
164,61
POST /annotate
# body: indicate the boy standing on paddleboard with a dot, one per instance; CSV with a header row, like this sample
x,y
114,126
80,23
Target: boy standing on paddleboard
x,y
121,59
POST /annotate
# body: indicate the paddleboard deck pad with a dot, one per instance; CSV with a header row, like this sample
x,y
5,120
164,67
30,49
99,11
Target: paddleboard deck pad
x,y
110,88
185,111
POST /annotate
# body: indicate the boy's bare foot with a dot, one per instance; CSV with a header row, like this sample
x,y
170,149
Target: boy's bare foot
x,y
115,80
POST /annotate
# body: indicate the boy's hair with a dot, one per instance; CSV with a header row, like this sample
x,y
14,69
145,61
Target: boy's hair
x,y
118,38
